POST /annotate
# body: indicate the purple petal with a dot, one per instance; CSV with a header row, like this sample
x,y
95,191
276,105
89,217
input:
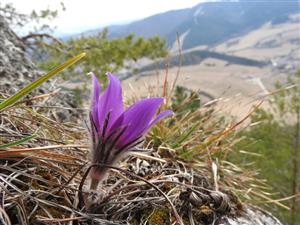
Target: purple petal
x,y
137,118
95,99
160,116
110,102
96,89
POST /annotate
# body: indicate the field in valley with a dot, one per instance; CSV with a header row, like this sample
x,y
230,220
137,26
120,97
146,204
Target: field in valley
x,y
239,86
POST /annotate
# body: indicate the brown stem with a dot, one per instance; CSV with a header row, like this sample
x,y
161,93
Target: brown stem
x,y
40,35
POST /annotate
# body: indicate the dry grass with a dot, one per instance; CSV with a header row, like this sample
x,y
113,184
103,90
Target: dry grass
x,y
179,175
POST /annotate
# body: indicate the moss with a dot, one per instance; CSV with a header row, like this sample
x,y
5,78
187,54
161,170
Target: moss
x,y
159,217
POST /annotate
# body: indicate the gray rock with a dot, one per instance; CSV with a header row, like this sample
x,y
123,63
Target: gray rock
x,y
15,67
17,70
252,216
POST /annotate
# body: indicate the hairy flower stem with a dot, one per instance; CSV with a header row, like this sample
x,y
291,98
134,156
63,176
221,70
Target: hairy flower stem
x,y
94,184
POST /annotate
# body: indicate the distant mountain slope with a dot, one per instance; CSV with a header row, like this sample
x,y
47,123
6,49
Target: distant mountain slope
x,y
210,23
159,24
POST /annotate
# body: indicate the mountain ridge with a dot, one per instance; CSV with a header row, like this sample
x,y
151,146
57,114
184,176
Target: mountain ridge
x,y
219,20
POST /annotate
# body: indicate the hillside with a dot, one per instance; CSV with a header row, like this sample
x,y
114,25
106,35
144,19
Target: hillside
x,y
248,33
210,23
277,43
274,45
228,48
251,33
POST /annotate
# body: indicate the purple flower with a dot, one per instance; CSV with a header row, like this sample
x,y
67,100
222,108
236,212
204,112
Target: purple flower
x,y
114,130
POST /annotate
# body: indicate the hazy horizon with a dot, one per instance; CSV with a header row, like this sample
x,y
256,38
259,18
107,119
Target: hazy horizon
x,y
95,14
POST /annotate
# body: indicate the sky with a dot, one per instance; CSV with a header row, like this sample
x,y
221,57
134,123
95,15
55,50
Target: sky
x,y
88,14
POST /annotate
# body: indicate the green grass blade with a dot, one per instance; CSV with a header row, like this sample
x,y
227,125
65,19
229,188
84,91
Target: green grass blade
x,y
24,91
18,142
185,136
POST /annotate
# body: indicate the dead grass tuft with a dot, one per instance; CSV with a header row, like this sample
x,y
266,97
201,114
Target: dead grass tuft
x,y
180,174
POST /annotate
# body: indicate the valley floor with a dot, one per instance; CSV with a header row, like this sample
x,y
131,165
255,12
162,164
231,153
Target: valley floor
x,y
237,87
